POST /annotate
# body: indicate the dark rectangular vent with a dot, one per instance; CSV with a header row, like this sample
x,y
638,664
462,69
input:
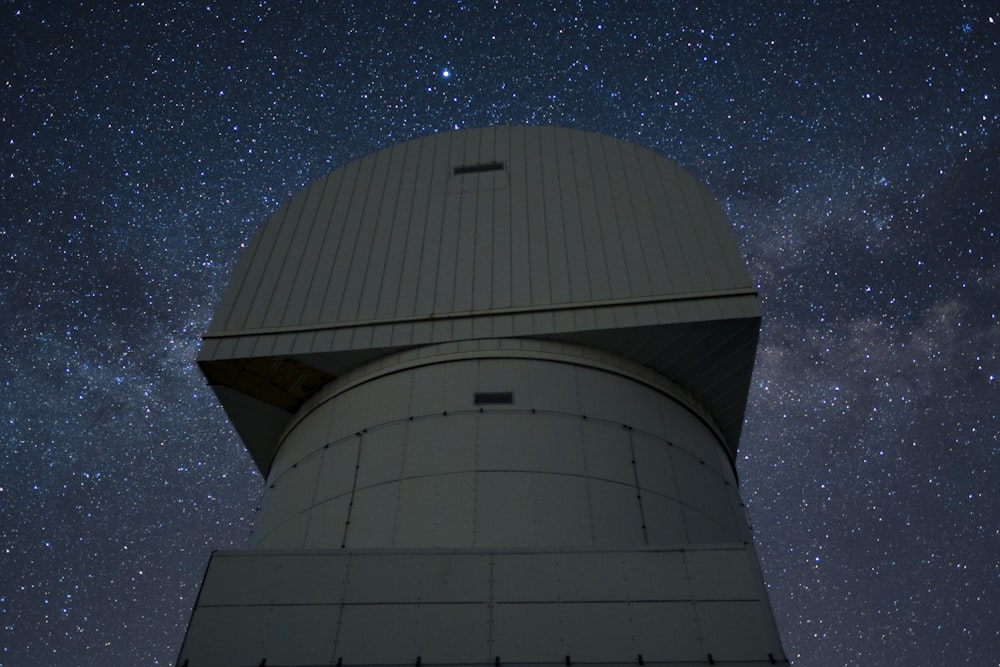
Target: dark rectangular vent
x,y
478,168
494,397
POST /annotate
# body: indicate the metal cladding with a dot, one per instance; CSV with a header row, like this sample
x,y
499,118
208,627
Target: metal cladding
x,y
500,232
495,379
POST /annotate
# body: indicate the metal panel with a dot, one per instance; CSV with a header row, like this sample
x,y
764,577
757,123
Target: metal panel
x,y
666,521
636,163
453,633
700,531
306,579
415,237
654,464
295,489
435,511
685,242
606,219
560,577
248,276
628,225
352,228
380,578
300,635
381,455
302,220
559,268
554,389
667,631
309,435
427,277
373,516
590,575
352,412
501,239
288,533
655,575
272,269
318,268
522,441
526,633
597,632
603,632
595,260
443,330
584,319
692,223
504,503
382,336
442,378
227,579
560,516
521,233
465,206
724,575
732,267
616,516
738,630
448,244
466,608
572,218
226,636
607,452
440,444
485,253
532,208
739,514
482,327
461,329
336,476
365,258
702,490
325,528
382,275
610,397
672,273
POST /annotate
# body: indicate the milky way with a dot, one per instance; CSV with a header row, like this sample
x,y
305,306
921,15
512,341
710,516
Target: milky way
x,y
854,147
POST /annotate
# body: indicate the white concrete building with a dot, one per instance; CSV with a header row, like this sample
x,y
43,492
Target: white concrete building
x,y
495,380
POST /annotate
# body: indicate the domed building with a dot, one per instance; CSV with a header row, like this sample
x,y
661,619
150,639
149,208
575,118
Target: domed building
x,y
495,381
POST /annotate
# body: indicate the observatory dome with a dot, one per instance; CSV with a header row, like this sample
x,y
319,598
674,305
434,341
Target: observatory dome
x,y
492,233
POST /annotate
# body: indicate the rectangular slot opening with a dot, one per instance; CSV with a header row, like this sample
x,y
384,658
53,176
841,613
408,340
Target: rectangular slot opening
x,y
494,397
478,168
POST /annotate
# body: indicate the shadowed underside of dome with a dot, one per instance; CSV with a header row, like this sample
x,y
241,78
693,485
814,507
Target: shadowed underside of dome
x,y
500,232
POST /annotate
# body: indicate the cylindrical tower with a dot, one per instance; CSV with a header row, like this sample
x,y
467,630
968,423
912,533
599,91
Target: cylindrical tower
x,y
495,381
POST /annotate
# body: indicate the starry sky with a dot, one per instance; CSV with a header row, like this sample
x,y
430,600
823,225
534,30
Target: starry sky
x,y
855,147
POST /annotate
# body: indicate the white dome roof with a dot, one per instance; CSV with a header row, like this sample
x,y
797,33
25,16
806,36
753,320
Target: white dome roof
x,y
496,232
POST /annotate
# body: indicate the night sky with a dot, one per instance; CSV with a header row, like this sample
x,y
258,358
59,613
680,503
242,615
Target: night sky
x,y
855,148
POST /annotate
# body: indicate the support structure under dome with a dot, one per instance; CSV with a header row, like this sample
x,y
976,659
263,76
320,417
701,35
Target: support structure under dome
x,y
495,380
